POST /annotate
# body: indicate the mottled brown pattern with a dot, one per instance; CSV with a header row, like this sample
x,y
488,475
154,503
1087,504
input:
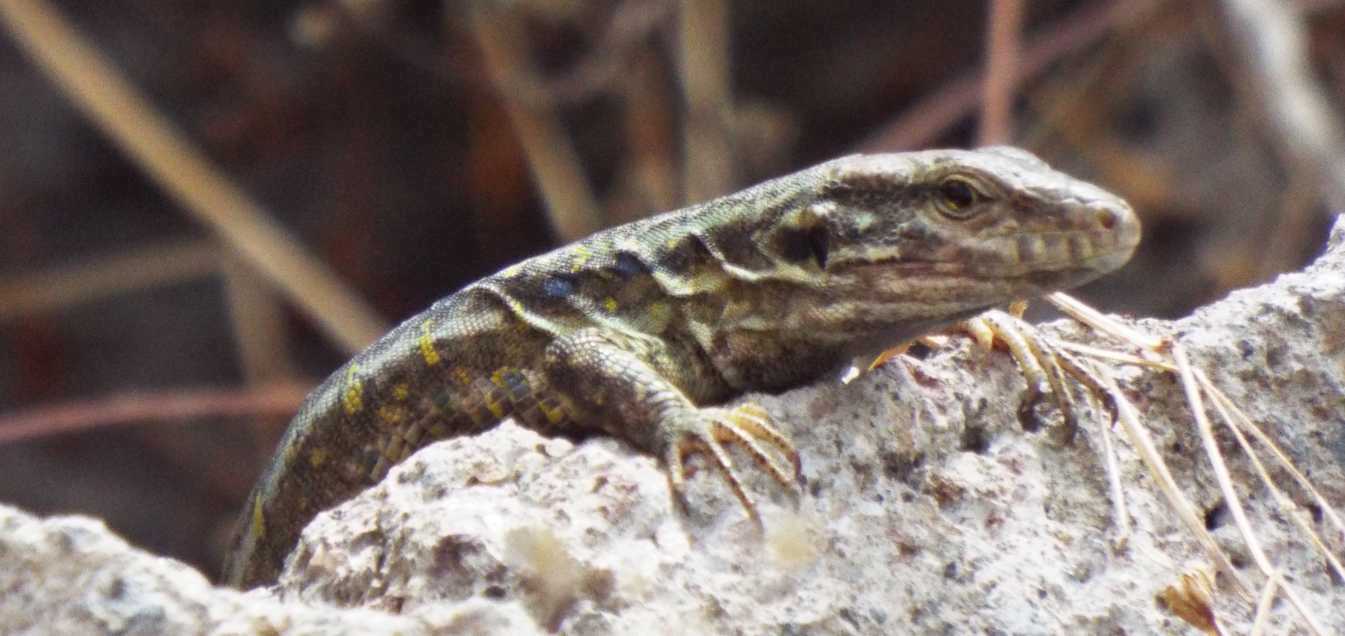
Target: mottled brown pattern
x,y
640,330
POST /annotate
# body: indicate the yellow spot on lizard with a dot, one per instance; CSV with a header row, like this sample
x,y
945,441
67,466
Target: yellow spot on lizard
x,y
427,344
609,304
554,412
390,414
491,398
353,397
317,458
258,517
401,391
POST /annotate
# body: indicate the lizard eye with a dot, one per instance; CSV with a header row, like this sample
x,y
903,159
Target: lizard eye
x,y
958,197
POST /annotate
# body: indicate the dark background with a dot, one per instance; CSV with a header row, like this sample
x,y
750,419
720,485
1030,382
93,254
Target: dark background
x,y
387,143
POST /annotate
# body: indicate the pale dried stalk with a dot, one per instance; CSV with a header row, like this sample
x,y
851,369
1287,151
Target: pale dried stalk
x,y
1264,606
1128,417
1004,47
703,52
1226,409
1194,381
1120,510
1238,422
1087,315
1231,498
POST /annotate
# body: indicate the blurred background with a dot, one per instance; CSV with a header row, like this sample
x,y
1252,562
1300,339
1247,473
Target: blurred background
x,y
206,208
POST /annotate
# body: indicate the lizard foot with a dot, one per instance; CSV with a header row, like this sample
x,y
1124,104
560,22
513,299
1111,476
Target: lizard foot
x,y
708,430
1043,363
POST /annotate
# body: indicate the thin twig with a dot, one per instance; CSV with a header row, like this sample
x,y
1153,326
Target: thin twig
x,y
1000,80
1270,37
1264,606
649,120
1286,505
927,119
102,277
164,406
1143,444
93,84
1225,481
260,339
703,49
1085,314
555,164
1119,508
1241,423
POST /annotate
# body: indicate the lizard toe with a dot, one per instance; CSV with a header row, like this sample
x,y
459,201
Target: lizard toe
x,y
709,431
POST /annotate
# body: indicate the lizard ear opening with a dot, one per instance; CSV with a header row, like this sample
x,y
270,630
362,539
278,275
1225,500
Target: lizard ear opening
x,y
804,238
819,243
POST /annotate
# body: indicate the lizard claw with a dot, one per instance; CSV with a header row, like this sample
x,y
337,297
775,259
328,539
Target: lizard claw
x,y
1044,364
1037,359
708,430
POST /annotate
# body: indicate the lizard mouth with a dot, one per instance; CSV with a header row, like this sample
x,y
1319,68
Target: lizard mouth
x,y
1028,255
1088,250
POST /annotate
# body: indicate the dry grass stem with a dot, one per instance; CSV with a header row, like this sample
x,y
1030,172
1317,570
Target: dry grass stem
x,y
1119,509
929,117
1225,481
1128,417
1264,606
1081,312
93,84
1227,411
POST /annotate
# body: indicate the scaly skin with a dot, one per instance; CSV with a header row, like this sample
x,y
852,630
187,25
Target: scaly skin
x,y
638,331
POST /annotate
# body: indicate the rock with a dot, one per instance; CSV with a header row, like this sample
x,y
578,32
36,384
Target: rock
x,y
71,575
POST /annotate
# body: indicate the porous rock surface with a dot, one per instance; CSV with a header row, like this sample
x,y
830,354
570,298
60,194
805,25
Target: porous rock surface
x,y
927,508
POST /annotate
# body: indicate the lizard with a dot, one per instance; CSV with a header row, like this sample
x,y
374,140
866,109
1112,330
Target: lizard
x,y
645,330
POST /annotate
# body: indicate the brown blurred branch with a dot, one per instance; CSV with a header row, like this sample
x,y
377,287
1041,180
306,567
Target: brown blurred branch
x,y
617,51
1004,50
28,294
1269,35
94,85
555,165
281,399
708,166
923,122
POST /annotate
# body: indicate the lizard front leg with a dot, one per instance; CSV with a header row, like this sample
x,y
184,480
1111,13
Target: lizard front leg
x,y
610,378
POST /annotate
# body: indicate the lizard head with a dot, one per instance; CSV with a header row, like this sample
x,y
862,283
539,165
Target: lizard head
x,y
932,234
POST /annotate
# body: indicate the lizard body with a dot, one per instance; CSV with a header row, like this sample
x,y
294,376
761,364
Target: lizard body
x,y
639,330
